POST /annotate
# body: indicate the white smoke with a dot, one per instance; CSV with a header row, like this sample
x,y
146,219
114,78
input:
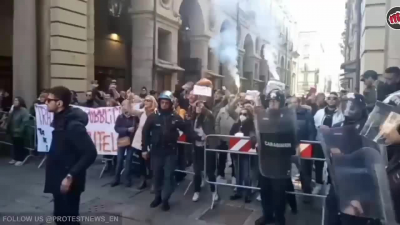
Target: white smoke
x,y
224,44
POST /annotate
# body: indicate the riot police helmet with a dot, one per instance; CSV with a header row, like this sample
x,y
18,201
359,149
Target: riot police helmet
x,y
276,96
354,107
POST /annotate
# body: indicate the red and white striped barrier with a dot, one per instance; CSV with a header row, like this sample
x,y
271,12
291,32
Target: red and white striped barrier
x,y
306,150
241,145
182,138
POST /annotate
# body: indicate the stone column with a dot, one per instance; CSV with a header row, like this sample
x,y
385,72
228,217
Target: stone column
x,y
142,51
69,50
24,51
199,49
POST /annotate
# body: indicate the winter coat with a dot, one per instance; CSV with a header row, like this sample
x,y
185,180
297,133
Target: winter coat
x,y
17,122
223,122
72,151
122,125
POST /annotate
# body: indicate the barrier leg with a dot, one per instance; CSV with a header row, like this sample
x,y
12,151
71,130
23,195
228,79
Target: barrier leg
x,y
188,187
43,160
26,158
323,211
104,169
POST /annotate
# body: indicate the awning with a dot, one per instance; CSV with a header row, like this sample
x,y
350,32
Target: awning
x,y
259,81
211,73
161,64
350,65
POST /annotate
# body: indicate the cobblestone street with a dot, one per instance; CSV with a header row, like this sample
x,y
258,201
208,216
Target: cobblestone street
x,y
21,191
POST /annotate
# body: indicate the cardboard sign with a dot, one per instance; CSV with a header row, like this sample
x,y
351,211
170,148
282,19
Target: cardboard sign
x,y
100,128
202,90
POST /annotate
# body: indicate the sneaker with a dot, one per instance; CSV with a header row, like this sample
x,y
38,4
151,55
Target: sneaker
x,y
317,189
221,179
12,161
215,196
196,197
259,197
19,163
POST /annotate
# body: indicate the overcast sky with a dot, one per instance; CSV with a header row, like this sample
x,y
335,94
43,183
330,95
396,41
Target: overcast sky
x,y
327,18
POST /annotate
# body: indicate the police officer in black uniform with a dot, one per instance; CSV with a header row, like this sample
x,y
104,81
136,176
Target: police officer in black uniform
x,y
161,134
355,112
277,143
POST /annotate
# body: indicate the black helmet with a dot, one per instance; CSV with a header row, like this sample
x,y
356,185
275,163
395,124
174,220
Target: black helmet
x,y
354,106
167,95
275,95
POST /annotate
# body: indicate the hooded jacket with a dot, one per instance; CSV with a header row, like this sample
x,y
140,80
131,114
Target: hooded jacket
x,y
223,122
71,151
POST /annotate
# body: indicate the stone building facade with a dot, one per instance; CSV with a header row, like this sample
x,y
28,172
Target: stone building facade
x,y
370,44
155,44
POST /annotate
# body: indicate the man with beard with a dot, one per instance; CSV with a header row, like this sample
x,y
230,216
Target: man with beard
x,y
388,83
327,116
161,133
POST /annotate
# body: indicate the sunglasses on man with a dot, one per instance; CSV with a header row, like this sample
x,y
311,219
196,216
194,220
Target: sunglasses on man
x,y
332,98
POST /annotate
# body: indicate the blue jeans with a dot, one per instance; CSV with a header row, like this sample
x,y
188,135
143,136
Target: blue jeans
x,y
120,163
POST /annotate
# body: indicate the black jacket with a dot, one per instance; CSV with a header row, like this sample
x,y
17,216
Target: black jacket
x,y
122,125
71,151
161,133
247,128
305,125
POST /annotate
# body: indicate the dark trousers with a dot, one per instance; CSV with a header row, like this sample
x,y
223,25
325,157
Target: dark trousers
x,y
181,165
19,152
306,175
319,165
127,154
332,208
198,166
66,205
291,198
163,171
273,198
244,165
143,164
222,156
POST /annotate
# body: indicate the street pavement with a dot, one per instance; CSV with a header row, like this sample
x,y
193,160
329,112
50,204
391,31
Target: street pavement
x,y
21,191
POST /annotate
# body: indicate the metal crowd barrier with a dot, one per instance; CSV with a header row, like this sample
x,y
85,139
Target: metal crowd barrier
x,y
238,152
184,144
30,133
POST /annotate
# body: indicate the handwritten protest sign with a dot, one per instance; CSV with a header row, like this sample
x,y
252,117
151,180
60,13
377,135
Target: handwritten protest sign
x,y
100,128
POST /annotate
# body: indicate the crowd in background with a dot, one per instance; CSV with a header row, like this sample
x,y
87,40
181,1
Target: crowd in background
x,y
225,114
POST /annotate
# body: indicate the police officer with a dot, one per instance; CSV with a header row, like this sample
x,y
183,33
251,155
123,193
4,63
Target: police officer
x,y
355,112
161,134
276,145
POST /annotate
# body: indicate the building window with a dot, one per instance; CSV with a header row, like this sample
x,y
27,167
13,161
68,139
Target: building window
x,y
164,45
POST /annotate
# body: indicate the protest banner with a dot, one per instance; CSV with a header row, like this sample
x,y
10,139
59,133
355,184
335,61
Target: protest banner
x,y
100,128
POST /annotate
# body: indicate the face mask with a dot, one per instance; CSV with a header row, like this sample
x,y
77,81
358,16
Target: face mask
x,y
242,118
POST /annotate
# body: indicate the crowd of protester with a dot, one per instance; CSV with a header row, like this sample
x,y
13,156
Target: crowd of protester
x,y
151,120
